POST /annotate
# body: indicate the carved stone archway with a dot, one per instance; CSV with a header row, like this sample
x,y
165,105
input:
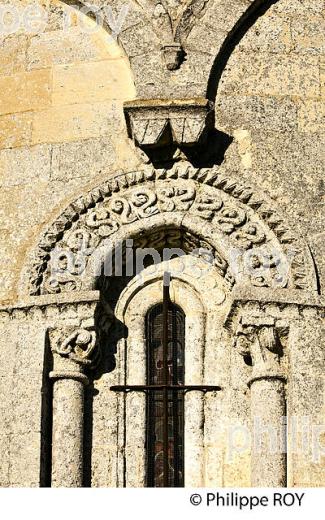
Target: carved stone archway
x,y
200,211
248,236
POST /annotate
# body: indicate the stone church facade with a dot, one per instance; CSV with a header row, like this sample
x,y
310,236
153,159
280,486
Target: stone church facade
x,y
194,128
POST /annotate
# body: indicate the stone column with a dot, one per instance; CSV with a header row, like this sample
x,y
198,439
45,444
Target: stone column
x,y
258,342
73,351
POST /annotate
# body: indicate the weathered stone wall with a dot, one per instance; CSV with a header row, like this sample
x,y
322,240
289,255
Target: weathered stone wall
x,y
62,131
61,127
271,99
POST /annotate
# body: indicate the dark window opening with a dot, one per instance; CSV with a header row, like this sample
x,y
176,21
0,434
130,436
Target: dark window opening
x,y
157,413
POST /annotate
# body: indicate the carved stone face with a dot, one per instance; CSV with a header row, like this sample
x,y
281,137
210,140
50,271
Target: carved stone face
x,y
117,206
141,198
242,344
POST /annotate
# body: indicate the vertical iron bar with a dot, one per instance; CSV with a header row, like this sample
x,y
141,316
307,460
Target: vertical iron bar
x,y
166,282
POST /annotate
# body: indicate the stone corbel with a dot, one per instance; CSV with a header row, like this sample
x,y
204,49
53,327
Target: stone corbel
x,y
258,341
157,123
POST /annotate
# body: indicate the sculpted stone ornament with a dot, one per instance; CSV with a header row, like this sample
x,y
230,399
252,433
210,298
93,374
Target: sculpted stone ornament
x,y
155,123
257,340
73,352
174,55
79,346
232,215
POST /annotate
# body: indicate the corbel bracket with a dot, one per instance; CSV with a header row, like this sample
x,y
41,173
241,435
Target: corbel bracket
x,y
158,123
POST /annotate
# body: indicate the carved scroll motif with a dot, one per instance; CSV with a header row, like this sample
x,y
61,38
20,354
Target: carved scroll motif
x,y
79,346
229,219
101,220
176,198
124,206
206,206
249,235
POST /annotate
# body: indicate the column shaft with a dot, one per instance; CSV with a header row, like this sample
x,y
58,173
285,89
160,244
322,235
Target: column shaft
x,y
268,406
67,439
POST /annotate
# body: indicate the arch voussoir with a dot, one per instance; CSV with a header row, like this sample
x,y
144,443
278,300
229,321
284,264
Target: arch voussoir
x,y
221,213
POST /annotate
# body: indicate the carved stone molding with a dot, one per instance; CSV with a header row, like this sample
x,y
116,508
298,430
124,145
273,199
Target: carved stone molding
x,y
75,350
221,204
283,306
155,123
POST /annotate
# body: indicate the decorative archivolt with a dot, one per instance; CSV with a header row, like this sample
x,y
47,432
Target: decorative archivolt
x,y
197,210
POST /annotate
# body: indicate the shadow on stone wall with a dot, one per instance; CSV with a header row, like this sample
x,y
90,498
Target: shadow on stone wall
x,y
233,39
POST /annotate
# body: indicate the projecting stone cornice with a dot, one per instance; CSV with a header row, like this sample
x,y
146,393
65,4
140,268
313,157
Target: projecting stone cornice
x,y
265,303
78,308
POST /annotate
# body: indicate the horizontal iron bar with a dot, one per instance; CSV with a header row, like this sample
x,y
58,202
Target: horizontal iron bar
x,y
139,388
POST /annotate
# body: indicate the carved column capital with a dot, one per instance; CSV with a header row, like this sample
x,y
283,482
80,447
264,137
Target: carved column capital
x,y
74,350
257,340
79,346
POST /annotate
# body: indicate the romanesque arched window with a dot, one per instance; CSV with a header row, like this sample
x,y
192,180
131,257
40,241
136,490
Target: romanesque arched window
x,y
165,408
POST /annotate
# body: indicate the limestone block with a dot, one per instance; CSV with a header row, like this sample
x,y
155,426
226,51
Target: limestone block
x,y
29,357
149,74
64,47
24,414
103,466
139,39
191,79
15,130
24,165
311,116
254,112
308,35
6,381
79,121
214,37
25,460
238,472
92,82
270,33
25,91
12,54
86,158
224,15
278,75
306,406
5,460
7,282
322,77
274,155
303,7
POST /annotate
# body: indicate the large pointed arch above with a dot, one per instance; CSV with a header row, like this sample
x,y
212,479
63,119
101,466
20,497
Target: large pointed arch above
x,y
183,207
157,37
